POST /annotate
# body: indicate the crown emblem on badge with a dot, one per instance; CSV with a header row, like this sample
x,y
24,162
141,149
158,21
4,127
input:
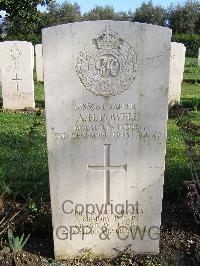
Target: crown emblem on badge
x,y
107,65
108,39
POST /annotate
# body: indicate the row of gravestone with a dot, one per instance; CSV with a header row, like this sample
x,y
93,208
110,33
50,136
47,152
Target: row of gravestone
x,y
17,61
16,73
106,96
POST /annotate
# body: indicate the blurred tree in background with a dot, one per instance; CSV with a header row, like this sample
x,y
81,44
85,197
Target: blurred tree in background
x,y
24,21
185,18
101,13
106,13
61,13
148,13
26,10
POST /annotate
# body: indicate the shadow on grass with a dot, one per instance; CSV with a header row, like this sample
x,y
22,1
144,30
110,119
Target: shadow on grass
x,y
40,104
193,103
192,81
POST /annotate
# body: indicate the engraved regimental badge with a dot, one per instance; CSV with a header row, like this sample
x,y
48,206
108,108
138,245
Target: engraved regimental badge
x,y
107,65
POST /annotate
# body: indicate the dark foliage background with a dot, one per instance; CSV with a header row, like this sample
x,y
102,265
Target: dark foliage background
x,y
24,20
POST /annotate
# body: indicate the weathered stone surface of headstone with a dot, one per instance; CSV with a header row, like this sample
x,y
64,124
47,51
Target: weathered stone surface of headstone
x,y
17,74
177,63
106,91
39,62
0,70
199,57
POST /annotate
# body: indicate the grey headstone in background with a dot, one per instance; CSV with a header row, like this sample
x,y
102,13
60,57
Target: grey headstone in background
x,y
106,90
177,64
17,74
39,62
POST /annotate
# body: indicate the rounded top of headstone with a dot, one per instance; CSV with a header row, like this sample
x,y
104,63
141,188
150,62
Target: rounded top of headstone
x,y
108,22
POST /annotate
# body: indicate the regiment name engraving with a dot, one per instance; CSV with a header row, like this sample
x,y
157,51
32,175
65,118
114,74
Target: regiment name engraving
x,y
105,121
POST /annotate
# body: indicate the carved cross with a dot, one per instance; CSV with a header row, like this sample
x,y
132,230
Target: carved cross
x,y
16,79
107,167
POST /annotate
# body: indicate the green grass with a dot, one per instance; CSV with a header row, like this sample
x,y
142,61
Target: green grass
x,y
177,165
196,119
190,95
23,156
177,162
190,90
39,95
39,91
192,71
191,62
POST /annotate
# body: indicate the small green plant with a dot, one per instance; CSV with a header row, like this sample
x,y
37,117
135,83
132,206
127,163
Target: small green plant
x,y
87,254
17,243
195,102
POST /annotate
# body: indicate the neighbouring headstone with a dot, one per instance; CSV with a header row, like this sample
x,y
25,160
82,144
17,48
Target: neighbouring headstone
x,y
0,75
199,57
106,91
39,62
33,59
177,63
17,74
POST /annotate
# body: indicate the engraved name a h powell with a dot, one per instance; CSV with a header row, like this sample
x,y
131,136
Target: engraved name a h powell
x,y
107,167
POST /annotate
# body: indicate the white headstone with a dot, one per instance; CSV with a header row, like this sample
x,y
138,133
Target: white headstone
x,y
106,89
33,59
39,62
17,74
177,63
199,57
0,75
